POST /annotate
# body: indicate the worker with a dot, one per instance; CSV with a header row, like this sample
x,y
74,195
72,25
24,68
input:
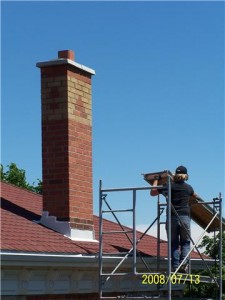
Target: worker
x,y
180,216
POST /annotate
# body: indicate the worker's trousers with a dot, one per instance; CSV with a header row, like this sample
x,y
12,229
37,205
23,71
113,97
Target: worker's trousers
x,y
180,239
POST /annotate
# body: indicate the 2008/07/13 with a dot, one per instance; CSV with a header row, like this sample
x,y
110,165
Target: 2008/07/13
x,y
173,278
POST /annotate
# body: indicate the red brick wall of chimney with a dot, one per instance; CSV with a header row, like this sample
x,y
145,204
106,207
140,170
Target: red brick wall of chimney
x,y
67,143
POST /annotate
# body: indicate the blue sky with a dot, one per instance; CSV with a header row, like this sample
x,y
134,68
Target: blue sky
x,y
158,93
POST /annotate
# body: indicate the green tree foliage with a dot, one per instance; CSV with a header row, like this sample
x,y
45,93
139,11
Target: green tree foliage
x,y
212,247
17,176
210,290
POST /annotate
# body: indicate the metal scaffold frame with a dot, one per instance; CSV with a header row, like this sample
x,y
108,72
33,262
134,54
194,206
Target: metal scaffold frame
x,y
133,252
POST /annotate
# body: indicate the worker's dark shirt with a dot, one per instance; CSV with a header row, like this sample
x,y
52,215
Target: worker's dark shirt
x,y
180,195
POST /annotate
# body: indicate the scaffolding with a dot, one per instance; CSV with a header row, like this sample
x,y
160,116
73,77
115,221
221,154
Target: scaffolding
x,y
133,256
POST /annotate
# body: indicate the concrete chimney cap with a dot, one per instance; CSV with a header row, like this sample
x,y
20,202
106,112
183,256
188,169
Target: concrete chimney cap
x,y
65,57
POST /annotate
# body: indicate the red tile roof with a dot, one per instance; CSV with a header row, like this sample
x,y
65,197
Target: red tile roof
x,y
21,209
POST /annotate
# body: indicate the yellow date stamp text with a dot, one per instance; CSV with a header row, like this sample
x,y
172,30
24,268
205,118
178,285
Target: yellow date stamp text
x,y
173,278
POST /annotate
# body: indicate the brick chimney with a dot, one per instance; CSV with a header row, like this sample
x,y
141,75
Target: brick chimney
x,y
67,146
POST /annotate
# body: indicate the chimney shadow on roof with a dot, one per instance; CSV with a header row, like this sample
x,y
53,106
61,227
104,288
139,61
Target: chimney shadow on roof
x,y
18,210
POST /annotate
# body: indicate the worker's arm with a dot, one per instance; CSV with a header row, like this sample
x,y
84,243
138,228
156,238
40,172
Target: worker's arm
x,y
154,191
197,198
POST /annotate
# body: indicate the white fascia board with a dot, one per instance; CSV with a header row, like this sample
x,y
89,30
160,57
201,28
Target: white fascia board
x,y
65,61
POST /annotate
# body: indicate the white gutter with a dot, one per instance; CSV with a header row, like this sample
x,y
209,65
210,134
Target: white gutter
x,y
67,260
56,260
82,261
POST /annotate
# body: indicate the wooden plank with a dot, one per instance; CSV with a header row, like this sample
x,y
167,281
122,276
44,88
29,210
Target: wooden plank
x,y
150,177
202,213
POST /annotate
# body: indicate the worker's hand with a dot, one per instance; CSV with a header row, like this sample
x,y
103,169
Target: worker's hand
x,y
198,198
158,177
